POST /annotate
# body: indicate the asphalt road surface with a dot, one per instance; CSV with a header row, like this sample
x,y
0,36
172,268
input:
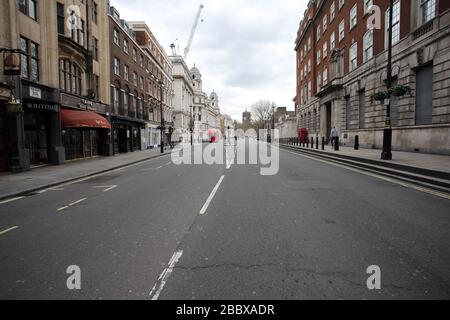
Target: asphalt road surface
x,y
157,230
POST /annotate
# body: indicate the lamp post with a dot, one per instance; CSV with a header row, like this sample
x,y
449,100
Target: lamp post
x,y
162,127
191,125
387,133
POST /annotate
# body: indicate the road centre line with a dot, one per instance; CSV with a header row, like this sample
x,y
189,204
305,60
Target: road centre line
x,y
392,180
211,196
72,204
162,280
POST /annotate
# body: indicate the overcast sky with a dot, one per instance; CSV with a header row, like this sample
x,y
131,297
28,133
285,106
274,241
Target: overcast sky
x,y
244,48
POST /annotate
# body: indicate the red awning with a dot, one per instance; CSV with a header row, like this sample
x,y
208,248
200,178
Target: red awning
x,y
83,119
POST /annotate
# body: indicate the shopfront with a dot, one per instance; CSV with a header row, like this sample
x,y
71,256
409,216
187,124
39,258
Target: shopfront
x,y
86,133
127,135
41,125
3,138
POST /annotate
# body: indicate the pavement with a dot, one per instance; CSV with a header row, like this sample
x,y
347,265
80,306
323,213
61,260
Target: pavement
x,y
157,230
425,161
12,185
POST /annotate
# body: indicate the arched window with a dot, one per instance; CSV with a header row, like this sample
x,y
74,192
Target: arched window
x,y
116,97
70,77
126,100
135,104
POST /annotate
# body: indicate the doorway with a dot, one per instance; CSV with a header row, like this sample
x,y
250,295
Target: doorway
x,y
37,138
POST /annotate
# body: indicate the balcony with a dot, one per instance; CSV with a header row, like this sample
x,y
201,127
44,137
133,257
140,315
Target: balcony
x,y
423,29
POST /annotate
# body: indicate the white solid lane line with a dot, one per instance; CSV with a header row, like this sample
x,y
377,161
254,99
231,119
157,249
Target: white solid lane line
x,y
8,230
72,204
162,280
11,200
211,196
107,188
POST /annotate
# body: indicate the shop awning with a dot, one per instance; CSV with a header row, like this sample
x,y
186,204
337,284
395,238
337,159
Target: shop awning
x,y
83,119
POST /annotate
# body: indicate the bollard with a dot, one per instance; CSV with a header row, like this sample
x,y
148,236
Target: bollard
x,y
323,143
336,144
307,143
356,142
312,142
317,143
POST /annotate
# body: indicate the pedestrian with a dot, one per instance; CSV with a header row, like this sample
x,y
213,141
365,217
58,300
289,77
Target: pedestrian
x,y
333,136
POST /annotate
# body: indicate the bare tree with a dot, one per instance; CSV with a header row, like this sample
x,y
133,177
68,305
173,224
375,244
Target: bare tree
x,y
262,113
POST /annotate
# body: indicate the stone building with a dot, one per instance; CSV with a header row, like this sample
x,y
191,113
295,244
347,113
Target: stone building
x,y
341,64
206,111
63,83
183,98
286,123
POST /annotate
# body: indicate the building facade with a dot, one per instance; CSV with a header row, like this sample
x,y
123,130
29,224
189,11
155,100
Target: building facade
x,y
341,65
61,88
158,84
183,99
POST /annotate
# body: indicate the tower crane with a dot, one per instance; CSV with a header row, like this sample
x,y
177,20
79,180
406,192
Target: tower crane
x,y
194,28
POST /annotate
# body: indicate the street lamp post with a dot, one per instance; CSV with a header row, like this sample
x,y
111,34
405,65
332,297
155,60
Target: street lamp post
x,y
162,127
387,133
191,125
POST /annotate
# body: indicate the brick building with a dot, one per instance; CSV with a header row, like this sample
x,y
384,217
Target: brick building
x,y
138,68
341,64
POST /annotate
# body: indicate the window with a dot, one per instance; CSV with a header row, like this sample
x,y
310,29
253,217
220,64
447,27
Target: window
x,y
25,73
135,79
319,58
126,100
116,37
368,45
353,57
126,73
348,112
70,79
325,50
332,41
309,44
341,30
116,98
141,83
117,67
28,7
141,61
319,82
94,12
60,18
341,4
395,25
332,11
428,10
29,59
135,54
318,33
424,98
95,51
125,46
367,5
325,76
362,109
77,31
325,23
353,16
